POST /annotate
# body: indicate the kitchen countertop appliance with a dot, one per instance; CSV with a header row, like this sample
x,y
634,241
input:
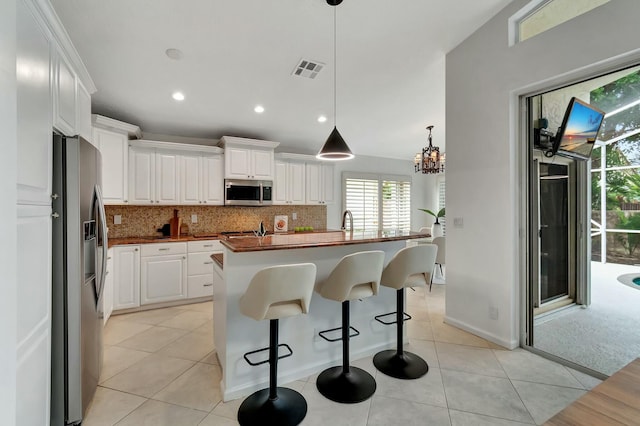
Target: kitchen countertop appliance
x,y
79,269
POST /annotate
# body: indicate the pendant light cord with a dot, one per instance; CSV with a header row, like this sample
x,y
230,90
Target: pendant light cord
x,y
335,67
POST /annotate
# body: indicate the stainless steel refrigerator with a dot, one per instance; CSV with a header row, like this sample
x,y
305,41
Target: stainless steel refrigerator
x,y
79,266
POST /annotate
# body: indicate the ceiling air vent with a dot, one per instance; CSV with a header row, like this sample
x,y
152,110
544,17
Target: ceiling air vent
x,y
308,69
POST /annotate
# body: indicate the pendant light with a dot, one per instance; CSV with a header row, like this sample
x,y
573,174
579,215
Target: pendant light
x,y
335,148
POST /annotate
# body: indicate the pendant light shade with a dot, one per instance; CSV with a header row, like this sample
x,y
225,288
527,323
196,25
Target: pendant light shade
x,y
335,148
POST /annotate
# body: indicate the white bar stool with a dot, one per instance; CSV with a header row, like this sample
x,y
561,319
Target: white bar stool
x,y
355,277
410,267
273,293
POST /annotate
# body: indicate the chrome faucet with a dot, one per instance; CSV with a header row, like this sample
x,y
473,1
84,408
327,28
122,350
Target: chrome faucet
x,y
261,232
344,220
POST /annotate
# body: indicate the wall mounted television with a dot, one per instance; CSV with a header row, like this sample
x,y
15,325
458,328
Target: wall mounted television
x,y
580,127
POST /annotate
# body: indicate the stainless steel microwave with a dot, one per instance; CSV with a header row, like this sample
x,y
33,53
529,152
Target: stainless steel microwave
x,y
248,192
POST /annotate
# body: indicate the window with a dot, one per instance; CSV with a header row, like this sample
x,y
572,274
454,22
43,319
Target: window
x,y
378,202
542,15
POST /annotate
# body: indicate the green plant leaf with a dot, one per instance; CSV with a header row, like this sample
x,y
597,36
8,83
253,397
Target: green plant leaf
x,y
429,212
441,212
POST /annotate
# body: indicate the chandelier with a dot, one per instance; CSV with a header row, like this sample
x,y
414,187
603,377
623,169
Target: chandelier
x,y
431,160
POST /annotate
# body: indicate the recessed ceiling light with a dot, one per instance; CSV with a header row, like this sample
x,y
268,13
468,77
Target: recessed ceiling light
x,y
178,96
259,109
322,119
174,53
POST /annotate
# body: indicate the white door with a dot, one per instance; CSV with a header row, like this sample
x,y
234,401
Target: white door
x,y
190,189
115,157
126,277
107,293
262,162
163,278
213,180
141,176
167,181
313,183
296,179
280,183
237,163
328,196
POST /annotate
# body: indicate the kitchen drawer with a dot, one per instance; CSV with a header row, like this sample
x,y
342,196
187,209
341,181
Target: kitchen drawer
x,y
200,286
200,263
206,245
162,249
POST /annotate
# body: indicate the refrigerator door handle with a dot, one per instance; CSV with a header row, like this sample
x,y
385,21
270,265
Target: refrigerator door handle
x,y
105,239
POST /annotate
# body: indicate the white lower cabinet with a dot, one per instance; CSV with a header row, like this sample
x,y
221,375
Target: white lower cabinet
x,y
107,292
126,277
200,281
163,275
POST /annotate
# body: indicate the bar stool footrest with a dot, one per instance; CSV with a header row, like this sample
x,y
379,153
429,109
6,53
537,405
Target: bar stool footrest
x,y
328,339
288,409
378,318
284,345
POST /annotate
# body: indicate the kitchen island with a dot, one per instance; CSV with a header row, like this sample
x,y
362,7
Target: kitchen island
x,y
236,334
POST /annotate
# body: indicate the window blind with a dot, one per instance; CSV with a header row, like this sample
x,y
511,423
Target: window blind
x,y
378,203
441,205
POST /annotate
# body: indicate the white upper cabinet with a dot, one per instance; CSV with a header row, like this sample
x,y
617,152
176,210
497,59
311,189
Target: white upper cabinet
x,y
202,179
248,158
212,179
319,183
289,182
111,137
64,96
83,113
174,173
34,109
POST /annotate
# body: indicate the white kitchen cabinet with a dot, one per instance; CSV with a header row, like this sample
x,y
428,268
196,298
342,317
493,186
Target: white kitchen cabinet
x,y
319,183
213,179
83,113
243,163
154,177
163,276
107,292
202,179
114,151
33,99
126,277
111,137
142,166
200,267
289,182
248,158
64,95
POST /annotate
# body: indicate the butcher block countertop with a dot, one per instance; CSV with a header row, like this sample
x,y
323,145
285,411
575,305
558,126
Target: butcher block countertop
x,y
247,243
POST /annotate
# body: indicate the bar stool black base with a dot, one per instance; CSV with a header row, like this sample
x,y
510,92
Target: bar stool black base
x,y
289,409
355,386
401,366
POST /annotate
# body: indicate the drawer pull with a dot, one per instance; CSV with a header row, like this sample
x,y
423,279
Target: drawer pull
x,y
208,263
207,245
164,249
207,285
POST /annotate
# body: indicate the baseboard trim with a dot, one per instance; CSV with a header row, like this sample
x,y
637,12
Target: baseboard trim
x,y
509,344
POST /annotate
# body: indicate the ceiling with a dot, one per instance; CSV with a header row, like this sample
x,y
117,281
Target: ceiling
x,y
239,54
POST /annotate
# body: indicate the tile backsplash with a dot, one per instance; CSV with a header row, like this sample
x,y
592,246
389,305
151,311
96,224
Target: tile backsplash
x,y
143,221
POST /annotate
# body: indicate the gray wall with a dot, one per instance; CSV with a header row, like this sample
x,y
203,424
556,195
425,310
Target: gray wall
x,y
484,79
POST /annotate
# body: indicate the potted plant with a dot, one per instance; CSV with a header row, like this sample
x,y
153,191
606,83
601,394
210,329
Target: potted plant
x,y
436,228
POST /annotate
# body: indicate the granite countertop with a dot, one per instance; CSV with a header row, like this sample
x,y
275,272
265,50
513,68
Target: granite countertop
x,y
246,243
151,240
218,258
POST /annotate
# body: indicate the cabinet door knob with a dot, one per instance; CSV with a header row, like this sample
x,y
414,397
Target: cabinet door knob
x,y
136,250
207,285
126,201
205,201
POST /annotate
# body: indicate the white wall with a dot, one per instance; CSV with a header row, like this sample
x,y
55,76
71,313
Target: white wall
x,y
484,79
8,213
422,187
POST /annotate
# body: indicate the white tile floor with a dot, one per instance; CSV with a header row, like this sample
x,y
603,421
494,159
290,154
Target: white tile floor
x,y
160,369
